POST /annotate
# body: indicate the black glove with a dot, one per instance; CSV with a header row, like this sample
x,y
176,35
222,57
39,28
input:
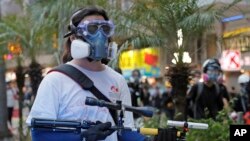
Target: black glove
x,y
98,132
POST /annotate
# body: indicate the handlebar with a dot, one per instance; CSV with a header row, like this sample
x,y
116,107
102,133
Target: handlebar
x,y
192,125
117,106
49,123
78,125
181,135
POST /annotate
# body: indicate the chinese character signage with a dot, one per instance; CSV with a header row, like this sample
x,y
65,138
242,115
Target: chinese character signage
x,y
230,60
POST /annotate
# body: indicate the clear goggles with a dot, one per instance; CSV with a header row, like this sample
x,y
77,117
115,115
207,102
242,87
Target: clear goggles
x,y
212,70
91,27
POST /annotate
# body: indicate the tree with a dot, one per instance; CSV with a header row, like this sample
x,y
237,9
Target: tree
x,y
28,35
156,23
4,132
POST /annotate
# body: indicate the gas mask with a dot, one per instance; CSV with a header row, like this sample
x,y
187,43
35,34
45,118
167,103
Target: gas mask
x,y
211,75
93,42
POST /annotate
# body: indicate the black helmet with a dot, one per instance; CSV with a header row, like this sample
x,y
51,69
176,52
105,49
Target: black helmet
x,y
211,63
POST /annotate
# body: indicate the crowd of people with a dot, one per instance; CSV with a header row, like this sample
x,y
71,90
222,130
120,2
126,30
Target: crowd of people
x,y
206,94
157,95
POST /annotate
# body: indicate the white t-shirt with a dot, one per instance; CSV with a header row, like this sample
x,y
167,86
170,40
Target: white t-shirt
x,y
10,97
59,97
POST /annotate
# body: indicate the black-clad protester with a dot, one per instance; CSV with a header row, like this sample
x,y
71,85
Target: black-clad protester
x,y
206,95
168,104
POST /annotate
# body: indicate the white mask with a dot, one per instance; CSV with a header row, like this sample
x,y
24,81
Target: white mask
x,y
79,49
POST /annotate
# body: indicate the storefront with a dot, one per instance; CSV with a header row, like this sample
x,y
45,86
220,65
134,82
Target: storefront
x,y
235,58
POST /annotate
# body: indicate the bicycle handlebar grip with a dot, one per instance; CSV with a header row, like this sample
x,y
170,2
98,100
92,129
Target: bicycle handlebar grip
x,y
140,110
148,131
192,125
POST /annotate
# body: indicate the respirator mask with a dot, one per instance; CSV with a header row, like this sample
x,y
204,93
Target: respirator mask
x,y
93,40
211,75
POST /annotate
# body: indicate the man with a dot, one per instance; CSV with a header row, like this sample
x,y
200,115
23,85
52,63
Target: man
x,y
135,87
206,96
241,100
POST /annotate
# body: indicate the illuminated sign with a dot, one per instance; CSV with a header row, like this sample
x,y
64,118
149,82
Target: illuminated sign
x,y
230,60
147,60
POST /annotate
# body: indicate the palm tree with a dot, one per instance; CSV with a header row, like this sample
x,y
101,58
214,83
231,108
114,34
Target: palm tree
x,y
4,132
156,23
29,34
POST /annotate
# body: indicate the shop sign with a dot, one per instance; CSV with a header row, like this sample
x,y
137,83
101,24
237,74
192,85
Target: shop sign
x,y
230,60
147,60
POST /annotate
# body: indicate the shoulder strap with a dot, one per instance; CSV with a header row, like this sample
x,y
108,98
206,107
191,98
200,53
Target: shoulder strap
x,y
217,87
86,83
199,90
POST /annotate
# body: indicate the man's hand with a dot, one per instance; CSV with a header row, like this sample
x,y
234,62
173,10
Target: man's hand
x,y
98,132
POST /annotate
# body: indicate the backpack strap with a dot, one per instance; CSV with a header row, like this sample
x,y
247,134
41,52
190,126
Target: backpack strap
x,y
85,82
217,88
198,94
199,91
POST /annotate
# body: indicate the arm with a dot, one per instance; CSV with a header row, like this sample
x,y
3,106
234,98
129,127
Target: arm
x,y
46,103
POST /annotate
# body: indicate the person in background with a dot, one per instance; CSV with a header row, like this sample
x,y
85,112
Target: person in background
x,y
196,77
206,94
11,99
27,91
246,116
156,99
135,87
168,101
240,102
232,93
145,96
